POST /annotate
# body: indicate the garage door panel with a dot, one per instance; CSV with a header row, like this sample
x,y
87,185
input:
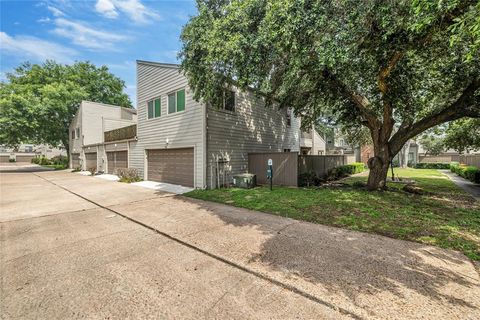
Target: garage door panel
x,y
91,160
171,166
117,160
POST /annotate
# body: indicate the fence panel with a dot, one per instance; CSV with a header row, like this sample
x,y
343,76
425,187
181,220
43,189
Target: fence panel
x,y
285,166
320,164
470,159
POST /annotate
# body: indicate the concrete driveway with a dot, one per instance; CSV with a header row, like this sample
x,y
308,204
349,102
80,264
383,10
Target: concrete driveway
x,y
81,247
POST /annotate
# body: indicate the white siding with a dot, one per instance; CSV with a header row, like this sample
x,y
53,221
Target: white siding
x,y
184,129
253,127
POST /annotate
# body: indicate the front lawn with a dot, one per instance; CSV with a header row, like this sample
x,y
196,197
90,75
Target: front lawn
x,y
445,216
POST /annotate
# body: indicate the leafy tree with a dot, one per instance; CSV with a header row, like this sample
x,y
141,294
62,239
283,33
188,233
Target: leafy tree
x,y
412,64
463,135
433,145
38,102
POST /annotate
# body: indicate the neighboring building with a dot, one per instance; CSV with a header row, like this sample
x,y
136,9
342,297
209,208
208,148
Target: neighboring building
x,y
25,152
182,141
311,143
88,148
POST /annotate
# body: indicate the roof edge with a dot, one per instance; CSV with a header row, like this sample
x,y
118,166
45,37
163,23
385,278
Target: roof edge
x,y
159,64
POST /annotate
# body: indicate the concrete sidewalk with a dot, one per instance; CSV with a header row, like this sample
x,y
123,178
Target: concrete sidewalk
x,y
471,188
183,258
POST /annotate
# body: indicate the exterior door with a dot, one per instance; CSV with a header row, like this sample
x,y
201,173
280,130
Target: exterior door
x,y
174,166
75,160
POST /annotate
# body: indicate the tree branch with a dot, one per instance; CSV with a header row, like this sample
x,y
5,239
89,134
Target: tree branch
x,y
464,106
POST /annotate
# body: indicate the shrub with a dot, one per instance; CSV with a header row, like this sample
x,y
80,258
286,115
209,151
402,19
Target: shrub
x,y
468,172
128,175
432,166
35,160
92,170
345,170
77,169
11,160
308,179
60,160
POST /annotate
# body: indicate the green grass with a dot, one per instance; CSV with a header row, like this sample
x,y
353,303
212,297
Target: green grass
x,y
445,216
55,166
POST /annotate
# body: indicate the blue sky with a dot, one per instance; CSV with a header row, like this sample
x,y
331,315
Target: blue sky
x,y
106,32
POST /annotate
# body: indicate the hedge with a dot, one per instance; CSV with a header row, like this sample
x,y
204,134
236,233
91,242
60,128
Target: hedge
x,y
432,166
468,172
346,170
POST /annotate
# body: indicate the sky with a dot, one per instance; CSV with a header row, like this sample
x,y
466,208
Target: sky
x,y
114,33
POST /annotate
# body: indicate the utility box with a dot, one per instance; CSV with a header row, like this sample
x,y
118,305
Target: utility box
x,y
245,180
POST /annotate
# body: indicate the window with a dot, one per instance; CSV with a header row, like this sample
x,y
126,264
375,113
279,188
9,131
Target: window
x,y
28,148
154,108
289,117
176,101
229,100
77,133
287,150
73,134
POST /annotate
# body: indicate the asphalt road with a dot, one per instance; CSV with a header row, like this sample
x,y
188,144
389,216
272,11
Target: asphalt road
x,y
81,247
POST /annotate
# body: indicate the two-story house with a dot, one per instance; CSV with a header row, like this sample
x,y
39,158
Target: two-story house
x,y
182,141
88,148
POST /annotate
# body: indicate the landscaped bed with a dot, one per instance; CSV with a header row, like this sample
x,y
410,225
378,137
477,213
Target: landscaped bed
x,y
443,216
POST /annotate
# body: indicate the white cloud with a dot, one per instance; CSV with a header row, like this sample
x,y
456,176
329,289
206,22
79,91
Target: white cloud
x,y
85,36
56,12
35,48
106,8
44,20
134,9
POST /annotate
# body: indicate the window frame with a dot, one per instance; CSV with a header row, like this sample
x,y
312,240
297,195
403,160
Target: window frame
x,y
224,100
288,117
175,93
154,115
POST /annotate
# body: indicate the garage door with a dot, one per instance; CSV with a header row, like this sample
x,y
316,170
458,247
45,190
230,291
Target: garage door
x,y
4,158
91,160
117,160
171,165
24,158
75,160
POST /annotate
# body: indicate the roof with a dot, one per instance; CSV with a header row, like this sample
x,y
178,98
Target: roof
x,y
131,110
159,64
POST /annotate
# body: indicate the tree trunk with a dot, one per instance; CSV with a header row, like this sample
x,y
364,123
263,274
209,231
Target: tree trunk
x,y
378,165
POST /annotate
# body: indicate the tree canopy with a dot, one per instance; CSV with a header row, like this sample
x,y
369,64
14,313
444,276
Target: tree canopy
x,y
463,135
38,102
407,64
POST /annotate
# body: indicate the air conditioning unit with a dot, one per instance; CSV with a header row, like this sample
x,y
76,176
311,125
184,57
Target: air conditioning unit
x,y
245,180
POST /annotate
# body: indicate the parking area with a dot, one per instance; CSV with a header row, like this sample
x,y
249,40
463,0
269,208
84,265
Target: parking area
x,y
74,246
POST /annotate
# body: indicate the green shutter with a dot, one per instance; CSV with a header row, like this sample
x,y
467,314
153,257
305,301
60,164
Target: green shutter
x,y
150,109
171,103
181,100
158,111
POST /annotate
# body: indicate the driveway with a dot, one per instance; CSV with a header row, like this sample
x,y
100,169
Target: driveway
x,y
74,246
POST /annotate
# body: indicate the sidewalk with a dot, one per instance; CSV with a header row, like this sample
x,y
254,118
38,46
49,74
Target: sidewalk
x,y
472,188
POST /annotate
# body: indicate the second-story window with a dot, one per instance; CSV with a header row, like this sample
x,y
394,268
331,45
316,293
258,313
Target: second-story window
x,y
77,133
289,117
73,134
176,101
229,100
154,108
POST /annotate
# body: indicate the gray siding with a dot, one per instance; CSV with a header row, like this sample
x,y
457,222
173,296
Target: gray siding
x,y
253,127
184,129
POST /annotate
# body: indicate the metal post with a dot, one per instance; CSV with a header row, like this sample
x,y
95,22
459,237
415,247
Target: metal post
x,y
271,178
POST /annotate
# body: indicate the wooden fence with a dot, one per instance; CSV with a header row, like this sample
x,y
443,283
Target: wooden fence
x,y
288,165
320,164
123,133
470,159
285,166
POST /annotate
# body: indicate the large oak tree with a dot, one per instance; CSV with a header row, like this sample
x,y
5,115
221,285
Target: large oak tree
x,y
397,68
38,102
